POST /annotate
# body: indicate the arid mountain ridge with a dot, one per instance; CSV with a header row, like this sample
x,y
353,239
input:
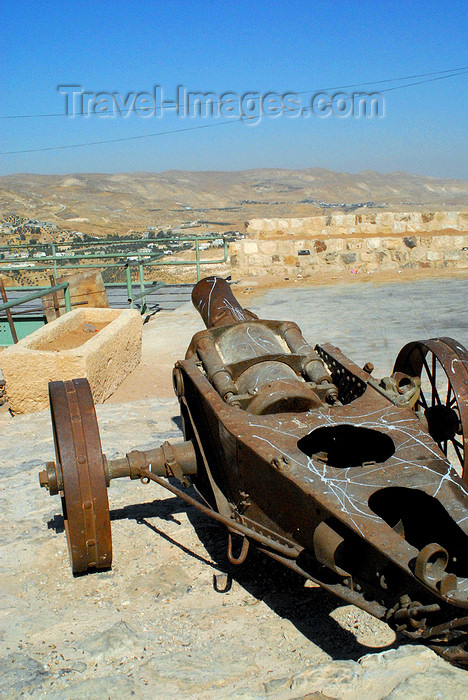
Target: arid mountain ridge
x,y
121,202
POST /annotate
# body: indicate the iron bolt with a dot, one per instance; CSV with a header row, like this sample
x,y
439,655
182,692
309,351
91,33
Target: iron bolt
x,y
44,479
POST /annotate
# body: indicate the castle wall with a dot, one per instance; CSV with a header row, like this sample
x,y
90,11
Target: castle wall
x,y
288,247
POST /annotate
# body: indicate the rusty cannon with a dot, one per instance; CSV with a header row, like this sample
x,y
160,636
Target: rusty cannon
x,y
346,479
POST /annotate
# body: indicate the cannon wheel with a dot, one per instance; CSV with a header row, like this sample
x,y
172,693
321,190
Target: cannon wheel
x,y
79,461
442,365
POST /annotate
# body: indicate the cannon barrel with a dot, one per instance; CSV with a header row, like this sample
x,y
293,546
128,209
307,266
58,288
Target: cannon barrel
x,y
216,304
246,357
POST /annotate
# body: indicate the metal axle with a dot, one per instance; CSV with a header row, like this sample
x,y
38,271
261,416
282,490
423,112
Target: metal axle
x,y
169,460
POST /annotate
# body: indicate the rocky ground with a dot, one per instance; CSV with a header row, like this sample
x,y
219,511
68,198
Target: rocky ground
x,y
173,618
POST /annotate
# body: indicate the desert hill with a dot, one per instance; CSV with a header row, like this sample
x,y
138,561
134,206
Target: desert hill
x,y
215,200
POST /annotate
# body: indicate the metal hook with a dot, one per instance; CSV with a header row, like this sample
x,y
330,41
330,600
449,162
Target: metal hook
x,y
244,551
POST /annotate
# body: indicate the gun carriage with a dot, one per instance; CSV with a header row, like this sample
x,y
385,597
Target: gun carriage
x,y
342,477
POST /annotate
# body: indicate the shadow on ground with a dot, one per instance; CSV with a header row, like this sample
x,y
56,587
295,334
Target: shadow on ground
x,y
308,609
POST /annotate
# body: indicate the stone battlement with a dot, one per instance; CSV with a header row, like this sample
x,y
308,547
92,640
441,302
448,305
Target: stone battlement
x,y
288,257
372,224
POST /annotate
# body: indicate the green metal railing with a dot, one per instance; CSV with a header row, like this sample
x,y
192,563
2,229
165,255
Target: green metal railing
x,y
76,258
58,261
33,324
38,294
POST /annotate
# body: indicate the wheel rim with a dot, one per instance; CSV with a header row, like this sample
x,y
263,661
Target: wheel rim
x,y
83,485
442,365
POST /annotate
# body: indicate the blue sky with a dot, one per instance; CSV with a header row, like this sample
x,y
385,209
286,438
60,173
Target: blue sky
x,y
236,47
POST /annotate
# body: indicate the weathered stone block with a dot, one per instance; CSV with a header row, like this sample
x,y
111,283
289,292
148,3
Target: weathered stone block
x,y
105,359
306,262
400,256
259,260
410,241
267,247
336,244
427,217
250,247
418,254
368,256
369,267
443,242
373,243
320,246
389,265
286,247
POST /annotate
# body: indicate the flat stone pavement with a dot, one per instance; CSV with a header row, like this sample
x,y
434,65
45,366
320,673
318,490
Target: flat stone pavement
x,y
373,321
155,625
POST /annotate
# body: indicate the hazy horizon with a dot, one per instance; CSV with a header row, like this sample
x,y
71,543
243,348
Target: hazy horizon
x,y
227,171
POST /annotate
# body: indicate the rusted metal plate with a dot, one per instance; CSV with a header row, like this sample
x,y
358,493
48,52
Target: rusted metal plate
x,y
361,484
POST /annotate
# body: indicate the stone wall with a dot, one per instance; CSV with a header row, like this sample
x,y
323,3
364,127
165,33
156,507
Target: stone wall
x,y
315,254
372,224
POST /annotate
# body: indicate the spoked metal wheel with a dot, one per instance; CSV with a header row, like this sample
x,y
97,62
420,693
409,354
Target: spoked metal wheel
x,y
80,476
442,365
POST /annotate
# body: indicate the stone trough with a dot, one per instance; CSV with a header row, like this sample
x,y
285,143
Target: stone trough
x,y
103,345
